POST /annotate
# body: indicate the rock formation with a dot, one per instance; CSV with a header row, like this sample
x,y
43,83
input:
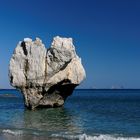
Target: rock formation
x,y
46,77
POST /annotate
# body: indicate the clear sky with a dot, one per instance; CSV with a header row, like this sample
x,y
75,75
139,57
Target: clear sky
x,y
106,34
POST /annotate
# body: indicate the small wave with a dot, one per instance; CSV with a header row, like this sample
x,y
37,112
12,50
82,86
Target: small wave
x,y
88,137
12,132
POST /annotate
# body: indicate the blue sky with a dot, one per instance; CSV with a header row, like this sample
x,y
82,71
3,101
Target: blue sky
x,y
106,34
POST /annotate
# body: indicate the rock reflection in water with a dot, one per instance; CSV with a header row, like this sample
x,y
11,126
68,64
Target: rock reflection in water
x,y
53,120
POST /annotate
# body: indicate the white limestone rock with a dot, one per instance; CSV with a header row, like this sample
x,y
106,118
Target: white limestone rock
x,y
45,77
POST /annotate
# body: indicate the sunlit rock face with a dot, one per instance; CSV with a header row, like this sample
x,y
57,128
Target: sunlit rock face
x,y
46,77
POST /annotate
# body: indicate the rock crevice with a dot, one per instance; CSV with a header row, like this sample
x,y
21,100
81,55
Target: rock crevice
x,y
45,77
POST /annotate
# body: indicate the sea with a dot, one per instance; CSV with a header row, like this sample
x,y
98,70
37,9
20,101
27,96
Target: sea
x,y
88,114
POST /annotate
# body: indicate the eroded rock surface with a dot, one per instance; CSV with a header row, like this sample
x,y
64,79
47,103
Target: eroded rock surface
x,y
46,77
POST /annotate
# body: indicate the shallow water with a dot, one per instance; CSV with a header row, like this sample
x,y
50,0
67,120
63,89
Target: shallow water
x,y
86,115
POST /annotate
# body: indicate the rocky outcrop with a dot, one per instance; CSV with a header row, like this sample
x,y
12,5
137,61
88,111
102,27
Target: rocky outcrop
x,y
46,77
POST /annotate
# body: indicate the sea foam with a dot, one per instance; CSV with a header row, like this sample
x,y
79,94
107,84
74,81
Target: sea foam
x,y
12,132
89,137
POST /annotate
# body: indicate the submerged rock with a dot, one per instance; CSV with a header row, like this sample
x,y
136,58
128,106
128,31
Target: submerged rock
x,y
46,77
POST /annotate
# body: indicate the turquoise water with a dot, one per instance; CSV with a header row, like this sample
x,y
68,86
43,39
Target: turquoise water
x,y
86,115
